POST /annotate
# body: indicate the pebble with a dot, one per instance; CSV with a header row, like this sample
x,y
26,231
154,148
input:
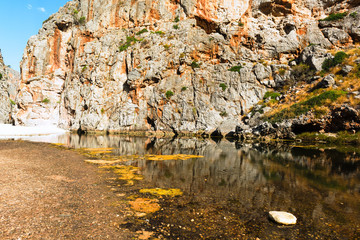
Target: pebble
x,y
282,217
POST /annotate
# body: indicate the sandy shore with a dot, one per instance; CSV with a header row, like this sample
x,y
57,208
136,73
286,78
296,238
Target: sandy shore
x,y
50,193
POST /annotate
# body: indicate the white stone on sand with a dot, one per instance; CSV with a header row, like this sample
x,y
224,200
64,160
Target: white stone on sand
x,y
282,217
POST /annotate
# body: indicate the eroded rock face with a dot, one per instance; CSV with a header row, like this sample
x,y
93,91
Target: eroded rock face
x,y
93,66
9,79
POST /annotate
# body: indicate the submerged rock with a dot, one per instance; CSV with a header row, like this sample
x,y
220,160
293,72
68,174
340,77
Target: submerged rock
x,y
283,217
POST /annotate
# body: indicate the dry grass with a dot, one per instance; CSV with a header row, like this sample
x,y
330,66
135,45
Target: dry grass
x,y
348,83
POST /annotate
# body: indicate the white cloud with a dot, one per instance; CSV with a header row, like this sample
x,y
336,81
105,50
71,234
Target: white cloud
x,y
41,9
29,6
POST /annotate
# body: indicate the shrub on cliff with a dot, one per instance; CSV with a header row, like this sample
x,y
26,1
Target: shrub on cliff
x,y
235,69
332,62
0,76
169,94
334,16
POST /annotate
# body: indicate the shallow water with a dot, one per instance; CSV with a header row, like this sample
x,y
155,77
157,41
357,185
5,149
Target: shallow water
x,y
228,193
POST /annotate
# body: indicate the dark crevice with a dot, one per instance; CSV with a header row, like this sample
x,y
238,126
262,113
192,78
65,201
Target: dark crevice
x,y
151,122
209,27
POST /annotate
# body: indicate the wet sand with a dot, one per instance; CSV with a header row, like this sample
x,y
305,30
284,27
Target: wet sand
x,y
51,193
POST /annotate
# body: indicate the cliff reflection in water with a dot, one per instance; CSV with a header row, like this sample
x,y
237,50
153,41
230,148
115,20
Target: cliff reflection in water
x,y
321,186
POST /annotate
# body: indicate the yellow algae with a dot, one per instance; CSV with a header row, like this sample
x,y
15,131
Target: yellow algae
x,y
170,157
102,161
58,144
96,149
127,173
171,192
145,205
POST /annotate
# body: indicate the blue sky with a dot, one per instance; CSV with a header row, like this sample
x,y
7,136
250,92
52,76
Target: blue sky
x,y
19,20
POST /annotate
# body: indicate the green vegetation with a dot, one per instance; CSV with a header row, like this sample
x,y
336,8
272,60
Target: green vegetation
x,y
176,26
334,16
0,76
167,46
102,111
159,33
75,12
194,65
12,102
357,71
169,94
282,71
340,138
141,31
82,20
182,55
177,19
49,18
183,89
303,107
240,24
338,59
302,72
272,95
223,114
223,86
235,69
128,43
84,68
353,14
45,100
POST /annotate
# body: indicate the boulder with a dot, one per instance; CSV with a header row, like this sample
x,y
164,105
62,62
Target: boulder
x,y
327,81
314,56
345,70
336,36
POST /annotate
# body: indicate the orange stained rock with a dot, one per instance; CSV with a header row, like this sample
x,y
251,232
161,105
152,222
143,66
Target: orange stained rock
x,y
206,9
90,14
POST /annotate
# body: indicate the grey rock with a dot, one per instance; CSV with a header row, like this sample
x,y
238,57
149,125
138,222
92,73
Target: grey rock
x,y
261,71
336,36
327,81
345,70
314,56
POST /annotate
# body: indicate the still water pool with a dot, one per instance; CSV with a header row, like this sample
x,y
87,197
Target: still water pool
x,y
228,193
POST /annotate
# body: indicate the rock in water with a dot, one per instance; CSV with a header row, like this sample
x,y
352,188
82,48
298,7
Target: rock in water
x,y
282,217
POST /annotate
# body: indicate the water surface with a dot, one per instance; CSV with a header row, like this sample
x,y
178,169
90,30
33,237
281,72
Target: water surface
x,y
228,193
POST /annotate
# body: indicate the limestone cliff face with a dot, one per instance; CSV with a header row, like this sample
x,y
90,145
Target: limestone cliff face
x,y
9,79
170,65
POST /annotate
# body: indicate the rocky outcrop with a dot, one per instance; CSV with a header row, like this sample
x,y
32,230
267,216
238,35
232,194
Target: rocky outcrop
x,y
341,118
9,80
180,66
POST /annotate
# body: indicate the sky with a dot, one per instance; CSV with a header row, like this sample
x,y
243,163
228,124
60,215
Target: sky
x,y
19,20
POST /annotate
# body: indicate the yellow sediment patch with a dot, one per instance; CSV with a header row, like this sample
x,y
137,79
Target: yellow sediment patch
x,y
96,149
170,157
127,173
145,205
58,144
171,192
103,161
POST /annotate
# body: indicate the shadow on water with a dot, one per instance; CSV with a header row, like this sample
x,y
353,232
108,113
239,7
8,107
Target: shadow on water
x,y
228,193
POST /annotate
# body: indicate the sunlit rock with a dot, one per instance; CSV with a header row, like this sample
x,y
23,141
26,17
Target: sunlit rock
x,y
282,217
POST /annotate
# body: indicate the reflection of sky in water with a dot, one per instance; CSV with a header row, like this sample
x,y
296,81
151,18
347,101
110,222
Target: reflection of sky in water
x,y
320,185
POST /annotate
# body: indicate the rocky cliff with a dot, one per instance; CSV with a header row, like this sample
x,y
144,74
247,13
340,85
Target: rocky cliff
x,y
9,80
171,65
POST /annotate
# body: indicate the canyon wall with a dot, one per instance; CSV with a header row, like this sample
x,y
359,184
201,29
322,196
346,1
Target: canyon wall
x,y
172,65
9,80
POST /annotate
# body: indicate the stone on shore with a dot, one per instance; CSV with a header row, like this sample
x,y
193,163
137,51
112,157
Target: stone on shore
x,y
282,217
